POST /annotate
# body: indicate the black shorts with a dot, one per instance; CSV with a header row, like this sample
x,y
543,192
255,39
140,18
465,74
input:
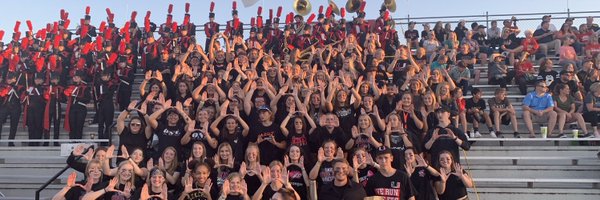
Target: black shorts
x,y
505,119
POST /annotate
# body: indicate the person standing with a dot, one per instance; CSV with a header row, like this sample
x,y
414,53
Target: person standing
x,y
10,104
342,187
78,96
53,109
389,183
105,89
34,104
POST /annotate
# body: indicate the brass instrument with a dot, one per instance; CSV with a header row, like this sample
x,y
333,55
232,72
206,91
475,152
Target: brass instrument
x,y
302,7
334,8
353,6
390,5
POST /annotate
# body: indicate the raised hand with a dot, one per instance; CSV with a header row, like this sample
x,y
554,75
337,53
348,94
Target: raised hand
x,y
150,164
243,169
89,155
410,168
110,151
188,102
225,189
266,175
188,186
124,152
355,132
78,150
355,163
321,155
339,153
72,178
458,170
444,174
161,164
286,161
420,161
112,184
207,186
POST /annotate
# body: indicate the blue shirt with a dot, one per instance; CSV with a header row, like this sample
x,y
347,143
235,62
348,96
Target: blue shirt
x,y
538,102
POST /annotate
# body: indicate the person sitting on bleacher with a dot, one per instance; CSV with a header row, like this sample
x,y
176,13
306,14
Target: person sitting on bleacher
x,y
476,113
545,37
498,73
538,107
546,71
591,108
566,108
568,55
566,78
502,112
524,73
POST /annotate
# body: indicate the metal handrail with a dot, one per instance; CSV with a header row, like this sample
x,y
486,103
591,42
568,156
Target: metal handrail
x,y
39,190
45,185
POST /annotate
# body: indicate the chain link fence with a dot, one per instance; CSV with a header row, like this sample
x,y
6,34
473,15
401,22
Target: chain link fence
x,y
525,20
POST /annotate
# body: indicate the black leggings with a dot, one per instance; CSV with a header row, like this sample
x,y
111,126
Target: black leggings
x,y
12,111
76,121
35,124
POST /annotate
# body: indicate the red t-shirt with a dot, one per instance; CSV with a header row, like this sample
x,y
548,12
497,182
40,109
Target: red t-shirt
x,y
593,48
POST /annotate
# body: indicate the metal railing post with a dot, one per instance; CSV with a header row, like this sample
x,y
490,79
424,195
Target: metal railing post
x,y
487,17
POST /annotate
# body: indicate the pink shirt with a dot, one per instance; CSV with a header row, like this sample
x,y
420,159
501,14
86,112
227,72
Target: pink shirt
x,y
567,53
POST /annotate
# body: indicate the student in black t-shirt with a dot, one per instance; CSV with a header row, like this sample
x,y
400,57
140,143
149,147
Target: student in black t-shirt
x,y
234,131
197,183
155,187
476,113
342,187
297,174
388,182
364,135
397,139
137,133
170,132
268,137
136,158
323,169
199,132
454,181
421,175
122,186
169,163
224,163
92,182
445,137
299,133
251,168
364,166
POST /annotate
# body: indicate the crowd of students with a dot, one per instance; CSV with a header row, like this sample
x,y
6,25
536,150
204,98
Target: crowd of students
x,y
338,102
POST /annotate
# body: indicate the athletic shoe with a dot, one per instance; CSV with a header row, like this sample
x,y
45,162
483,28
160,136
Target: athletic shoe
x,y
588,135
472,134
477,134
493,134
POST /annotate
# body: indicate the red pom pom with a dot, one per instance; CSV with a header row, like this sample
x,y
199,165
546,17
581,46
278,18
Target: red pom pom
x,y
362,6
102,26
279,9
187,7
259,22
169,19
328,13
343,12
310,19
212,6
234,6
271,14
259,12
174,26
66,24
170,10
108,11
55,28
133,15
111,18
320,9
252,20
17,25
87,10
236,23
62,14
147,15
1,34
99,43
29,26
48,26
66,15
186,19
122,47
386,16
57,40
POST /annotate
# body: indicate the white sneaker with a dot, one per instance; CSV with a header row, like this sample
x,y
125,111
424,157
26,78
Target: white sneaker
x,y
493,134
477,134
472,134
